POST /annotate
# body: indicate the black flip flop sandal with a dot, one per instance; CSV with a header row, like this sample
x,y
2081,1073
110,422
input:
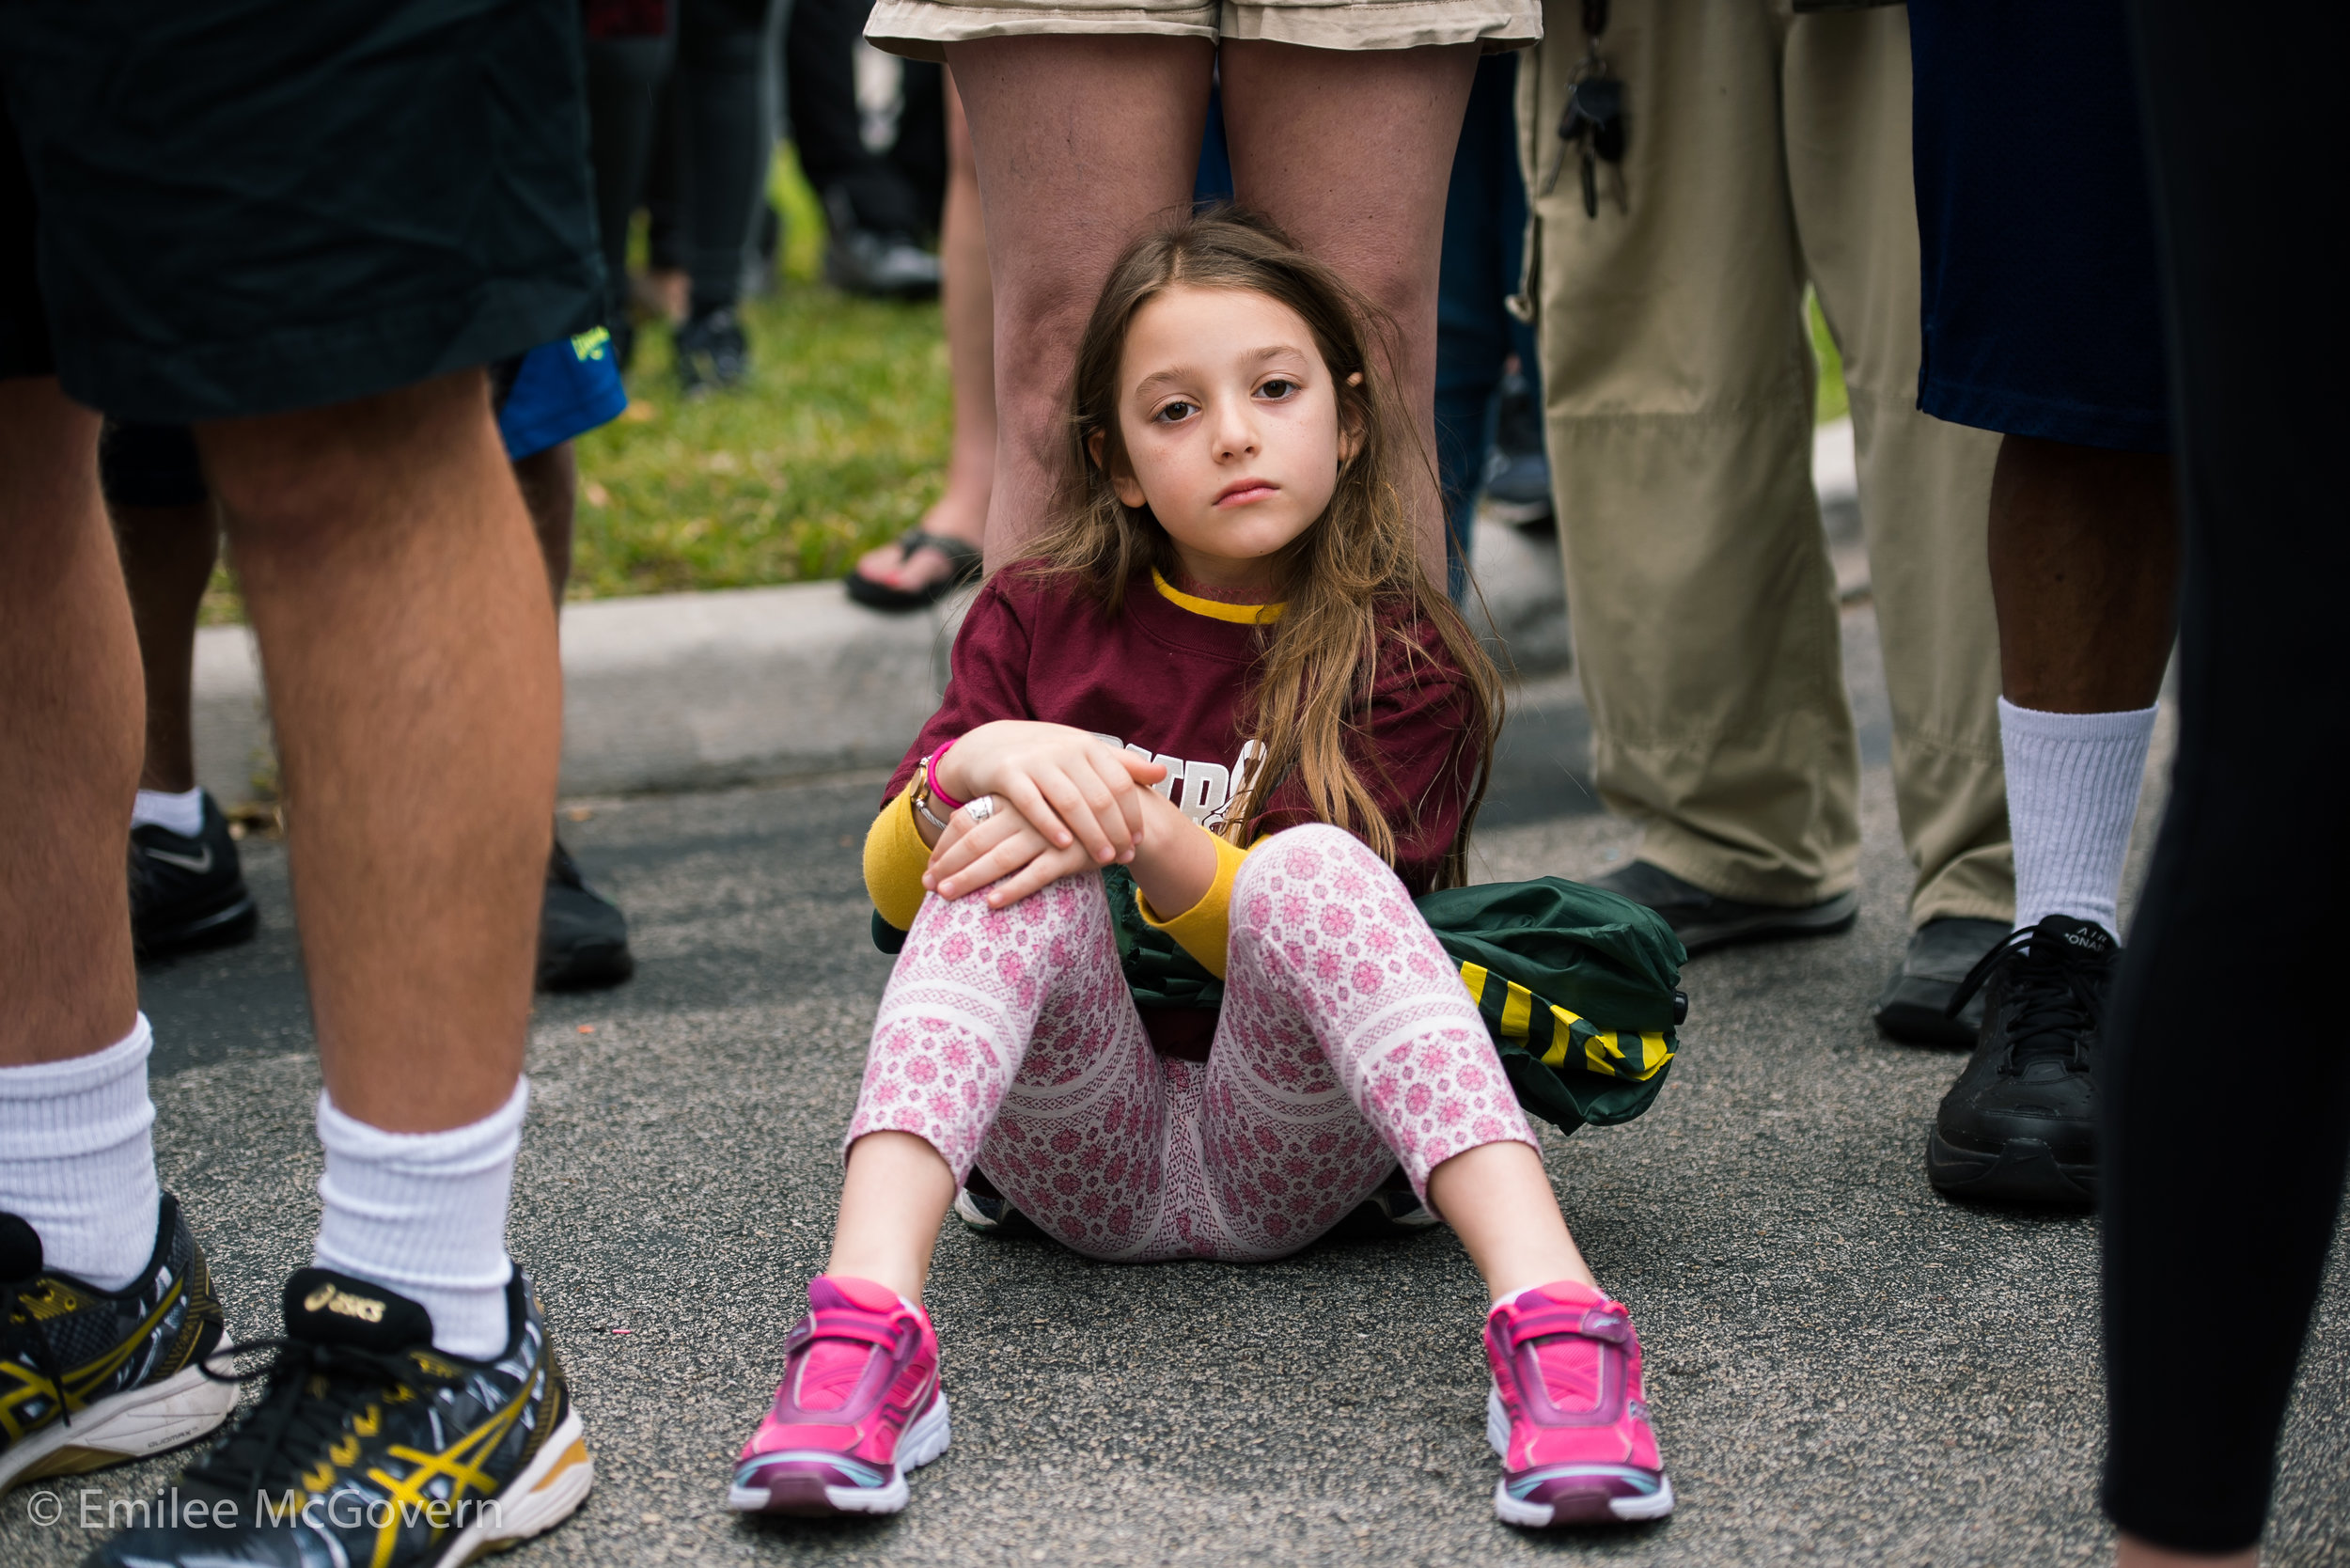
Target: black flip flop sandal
x,y
963,564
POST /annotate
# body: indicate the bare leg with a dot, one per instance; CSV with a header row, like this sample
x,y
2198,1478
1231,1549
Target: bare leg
x,y
970,305
1351,150
1082,143
894,1198
2130,1552
549,481
167,558
401,608
2085,573
1498,1199
69,702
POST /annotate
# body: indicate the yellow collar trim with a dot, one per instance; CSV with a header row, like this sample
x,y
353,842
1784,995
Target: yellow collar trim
x,y
1216,609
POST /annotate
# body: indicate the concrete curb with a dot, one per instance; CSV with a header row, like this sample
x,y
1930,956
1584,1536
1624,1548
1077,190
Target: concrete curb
x,y
698,690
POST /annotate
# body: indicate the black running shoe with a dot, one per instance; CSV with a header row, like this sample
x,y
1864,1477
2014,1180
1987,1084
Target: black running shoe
x,y
583,936
1915,1005
371,1446
188,893
2020,1124
713,354
1703,921
90,1378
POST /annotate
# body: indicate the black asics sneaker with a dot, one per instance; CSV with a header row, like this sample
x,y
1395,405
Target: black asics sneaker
x,y
371,1446
90,1377
583,936
188,893
2020,1123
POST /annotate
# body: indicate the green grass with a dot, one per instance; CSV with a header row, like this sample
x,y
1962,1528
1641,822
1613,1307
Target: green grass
x,y
838,443
1832,403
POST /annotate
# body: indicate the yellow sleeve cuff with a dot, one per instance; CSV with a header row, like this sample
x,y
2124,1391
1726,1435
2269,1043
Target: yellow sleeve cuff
x,y
1205,929
895,859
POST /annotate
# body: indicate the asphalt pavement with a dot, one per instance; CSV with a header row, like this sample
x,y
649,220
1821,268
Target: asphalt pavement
x,y
1845,1367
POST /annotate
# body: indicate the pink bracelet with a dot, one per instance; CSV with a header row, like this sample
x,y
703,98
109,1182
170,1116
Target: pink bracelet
x,y
929,775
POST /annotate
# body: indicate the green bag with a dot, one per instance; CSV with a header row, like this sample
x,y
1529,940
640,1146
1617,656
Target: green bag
x,y
1576,986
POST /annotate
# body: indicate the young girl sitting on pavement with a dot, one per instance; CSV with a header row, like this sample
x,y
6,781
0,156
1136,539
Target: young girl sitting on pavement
x,y
1226,672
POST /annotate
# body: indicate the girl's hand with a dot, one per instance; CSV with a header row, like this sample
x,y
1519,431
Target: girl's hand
x,y
1071,789
971,855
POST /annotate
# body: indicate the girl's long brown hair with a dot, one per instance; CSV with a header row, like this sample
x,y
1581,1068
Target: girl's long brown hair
x,y
1344,580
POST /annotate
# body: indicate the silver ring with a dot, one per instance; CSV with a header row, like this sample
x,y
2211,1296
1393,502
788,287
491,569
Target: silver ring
x,y
980,809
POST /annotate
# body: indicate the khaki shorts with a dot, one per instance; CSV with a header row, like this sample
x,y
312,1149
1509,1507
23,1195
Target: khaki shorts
x,y
921,30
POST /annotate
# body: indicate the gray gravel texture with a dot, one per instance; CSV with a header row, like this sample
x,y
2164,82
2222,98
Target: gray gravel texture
x,y
1845,1367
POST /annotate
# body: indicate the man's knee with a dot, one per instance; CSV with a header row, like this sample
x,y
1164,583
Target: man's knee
x,y
48,463
283,477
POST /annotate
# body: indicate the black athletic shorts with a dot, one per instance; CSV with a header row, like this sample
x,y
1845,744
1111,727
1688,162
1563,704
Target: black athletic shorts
x,y
211,210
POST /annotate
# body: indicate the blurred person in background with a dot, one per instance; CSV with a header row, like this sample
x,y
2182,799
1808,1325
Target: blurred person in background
x,y
872,135
1088,124
631,47
724,131
1693,166
356,227
187,889
1488,387
922,565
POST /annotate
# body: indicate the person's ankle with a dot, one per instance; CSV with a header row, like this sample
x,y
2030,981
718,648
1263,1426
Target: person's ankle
x,y
859,1281
1565,1285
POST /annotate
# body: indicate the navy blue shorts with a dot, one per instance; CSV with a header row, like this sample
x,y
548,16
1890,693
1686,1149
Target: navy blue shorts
x,y
556,391
2041,291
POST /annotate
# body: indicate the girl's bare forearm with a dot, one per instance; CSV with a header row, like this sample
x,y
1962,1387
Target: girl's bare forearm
x,y
1175,864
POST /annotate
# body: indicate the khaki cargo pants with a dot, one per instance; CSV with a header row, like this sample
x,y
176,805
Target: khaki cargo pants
x,y
1764,149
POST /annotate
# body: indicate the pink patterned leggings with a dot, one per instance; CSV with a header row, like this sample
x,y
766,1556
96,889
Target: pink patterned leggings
x,y
1347,1046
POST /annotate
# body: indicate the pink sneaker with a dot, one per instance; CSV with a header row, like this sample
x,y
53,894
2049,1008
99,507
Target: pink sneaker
x,y
1566,1414
859,1407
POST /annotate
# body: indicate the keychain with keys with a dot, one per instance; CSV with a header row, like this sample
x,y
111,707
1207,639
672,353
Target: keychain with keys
x,y
1592,122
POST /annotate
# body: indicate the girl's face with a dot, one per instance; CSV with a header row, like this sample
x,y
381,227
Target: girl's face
x,y
1231,425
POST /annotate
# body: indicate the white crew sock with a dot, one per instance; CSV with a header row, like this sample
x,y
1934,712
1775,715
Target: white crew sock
x,y
77,1163
424,1215
181,811
2072,795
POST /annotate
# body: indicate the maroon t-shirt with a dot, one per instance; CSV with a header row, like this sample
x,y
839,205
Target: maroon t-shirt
x,y
1170,684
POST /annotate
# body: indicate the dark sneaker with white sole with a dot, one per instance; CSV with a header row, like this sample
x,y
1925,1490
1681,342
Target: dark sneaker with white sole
x,y
983,1209
583,936
188,892
90,1378
1703,921
2020,1124
1915,1005
369,1445
1396,1208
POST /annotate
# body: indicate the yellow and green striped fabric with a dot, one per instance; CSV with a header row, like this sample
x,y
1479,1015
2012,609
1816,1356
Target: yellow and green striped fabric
x,y
1558,1037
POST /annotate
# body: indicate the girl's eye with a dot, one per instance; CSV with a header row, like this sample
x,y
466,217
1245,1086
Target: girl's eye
x,y
1173,412
1279,387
